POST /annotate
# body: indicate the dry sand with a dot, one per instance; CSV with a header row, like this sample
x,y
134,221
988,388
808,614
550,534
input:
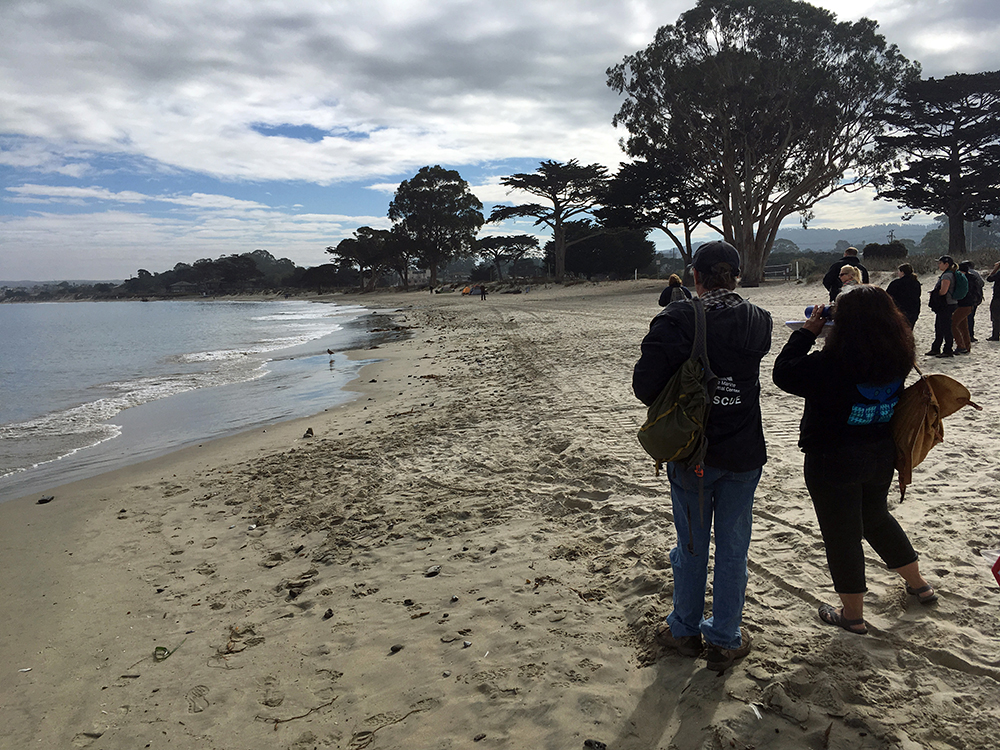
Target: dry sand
x,y
248,593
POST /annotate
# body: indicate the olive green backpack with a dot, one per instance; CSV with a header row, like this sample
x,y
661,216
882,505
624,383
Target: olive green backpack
x,y
676,420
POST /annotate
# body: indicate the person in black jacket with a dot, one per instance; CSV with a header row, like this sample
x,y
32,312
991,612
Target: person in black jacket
x,y
675,291
905,292
738,336
994,277
974,298
832,280
851,388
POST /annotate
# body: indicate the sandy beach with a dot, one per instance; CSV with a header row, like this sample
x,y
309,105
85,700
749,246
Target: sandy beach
x,y
474,553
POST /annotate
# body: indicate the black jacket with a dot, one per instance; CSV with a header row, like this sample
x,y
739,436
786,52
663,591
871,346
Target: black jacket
x,y
667,295
832,278
905,292
738,338
839,413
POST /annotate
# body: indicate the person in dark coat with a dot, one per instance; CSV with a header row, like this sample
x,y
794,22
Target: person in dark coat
x,y
832,279
994,277
738,335
977,285
905,292
675,291
851,388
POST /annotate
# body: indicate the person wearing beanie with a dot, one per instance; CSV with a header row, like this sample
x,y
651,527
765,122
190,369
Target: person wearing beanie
x,y
738,336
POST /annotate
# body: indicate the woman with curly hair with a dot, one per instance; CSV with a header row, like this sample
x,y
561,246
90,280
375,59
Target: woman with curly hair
x,y
851,388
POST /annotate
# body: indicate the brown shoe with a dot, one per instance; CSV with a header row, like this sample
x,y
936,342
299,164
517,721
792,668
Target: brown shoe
x,y
720,659
686,645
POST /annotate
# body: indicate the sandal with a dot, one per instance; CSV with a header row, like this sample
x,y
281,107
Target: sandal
x,y
929,599
834,616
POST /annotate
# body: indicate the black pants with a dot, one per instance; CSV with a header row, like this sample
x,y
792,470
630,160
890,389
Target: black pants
x,y
942,330
849,491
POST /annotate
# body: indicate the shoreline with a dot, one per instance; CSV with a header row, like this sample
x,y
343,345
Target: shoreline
x,y
151,429
277,572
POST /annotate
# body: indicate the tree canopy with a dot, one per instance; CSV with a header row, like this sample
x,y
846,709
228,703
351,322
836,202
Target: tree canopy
x,y
369,251
948,133
772,102
439,215
616,252
657,192
570,189
506,249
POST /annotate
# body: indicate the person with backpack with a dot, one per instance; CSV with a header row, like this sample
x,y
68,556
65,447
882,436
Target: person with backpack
x,y
977,285
966,302
943,304
675,291
851,388
719,490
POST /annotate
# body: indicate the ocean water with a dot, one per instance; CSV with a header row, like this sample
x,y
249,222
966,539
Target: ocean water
x,y
86,387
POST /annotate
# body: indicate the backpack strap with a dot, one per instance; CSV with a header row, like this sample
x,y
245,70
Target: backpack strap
x,y
699,351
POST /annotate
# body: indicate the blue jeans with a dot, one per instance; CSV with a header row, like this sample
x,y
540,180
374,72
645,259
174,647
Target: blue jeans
x,y
729,501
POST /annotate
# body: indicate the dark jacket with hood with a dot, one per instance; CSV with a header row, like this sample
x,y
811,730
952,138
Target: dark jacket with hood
x,y
905,292
738,338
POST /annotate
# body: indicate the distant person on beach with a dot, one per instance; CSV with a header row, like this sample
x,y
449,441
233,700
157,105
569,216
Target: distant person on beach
x,y
832,280
675,291
482,291
943,306
738,335
851,387
977,285
994,277
905,292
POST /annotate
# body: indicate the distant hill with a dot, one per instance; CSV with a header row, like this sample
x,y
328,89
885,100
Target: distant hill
x,y
73,282
820,239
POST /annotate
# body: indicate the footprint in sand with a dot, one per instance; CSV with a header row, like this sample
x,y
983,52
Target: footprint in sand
x,y
273,696
197,702
210,542
86,739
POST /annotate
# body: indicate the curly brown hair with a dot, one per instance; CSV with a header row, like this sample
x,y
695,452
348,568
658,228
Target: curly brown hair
x,y
870,339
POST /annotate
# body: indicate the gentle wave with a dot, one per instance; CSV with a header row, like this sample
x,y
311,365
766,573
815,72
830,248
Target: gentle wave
x,y
90,417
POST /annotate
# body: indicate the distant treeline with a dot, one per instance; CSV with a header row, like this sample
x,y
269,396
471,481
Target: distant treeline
x,y
258,271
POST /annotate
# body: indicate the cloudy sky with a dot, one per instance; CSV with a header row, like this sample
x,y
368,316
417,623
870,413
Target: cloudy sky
x,y
139,134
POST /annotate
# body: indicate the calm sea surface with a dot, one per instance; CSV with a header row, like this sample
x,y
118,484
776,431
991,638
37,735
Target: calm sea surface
x,y
86,387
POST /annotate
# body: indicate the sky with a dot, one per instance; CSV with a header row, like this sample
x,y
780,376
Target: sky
x,y
145,133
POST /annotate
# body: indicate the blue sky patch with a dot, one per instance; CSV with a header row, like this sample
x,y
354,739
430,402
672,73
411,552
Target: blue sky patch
x,y
298,132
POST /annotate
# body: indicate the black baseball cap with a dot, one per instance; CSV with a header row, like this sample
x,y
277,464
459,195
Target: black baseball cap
x,y
946,259
711,253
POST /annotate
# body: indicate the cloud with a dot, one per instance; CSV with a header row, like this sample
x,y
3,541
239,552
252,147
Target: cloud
x,y
208,122
120,242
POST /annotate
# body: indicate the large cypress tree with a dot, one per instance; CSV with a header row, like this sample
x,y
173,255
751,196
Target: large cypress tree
x,y
774,103
439,216
947,132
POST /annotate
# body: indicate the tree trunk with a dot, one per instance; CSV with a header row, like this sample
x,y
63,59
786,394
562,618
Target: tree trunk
x,y
752,257
956,234
559,251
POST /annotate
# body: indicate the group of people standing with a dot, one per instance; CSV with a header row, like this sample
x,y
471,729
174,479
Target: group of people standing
x,y
851,388
957,293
